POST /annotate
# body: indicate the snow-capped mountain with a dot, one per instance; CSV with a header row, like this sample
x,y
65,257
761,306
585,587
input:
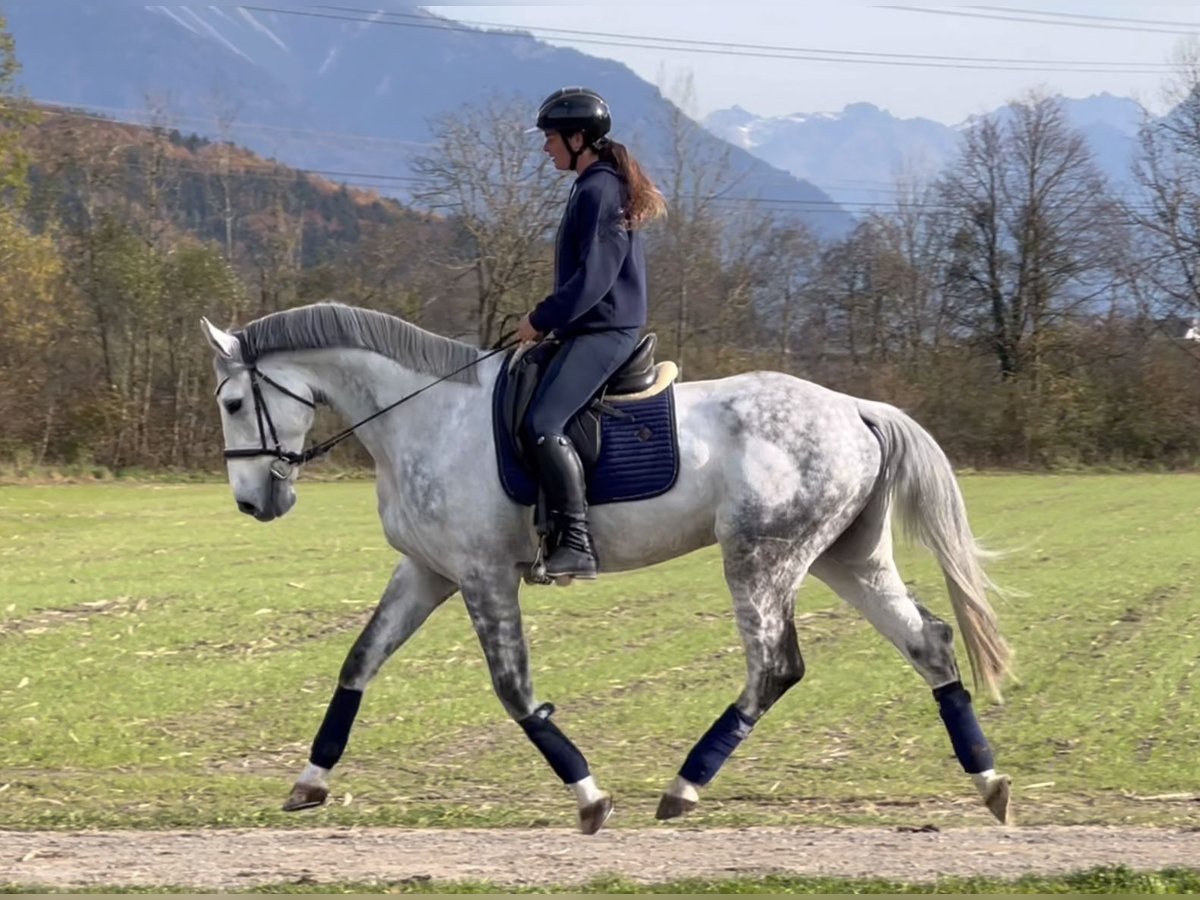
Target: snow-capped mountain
x,y
858,154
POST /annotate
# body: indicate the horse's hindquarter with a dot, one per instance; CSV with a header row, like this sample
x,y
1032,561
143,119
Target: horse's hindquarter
x,y
753,448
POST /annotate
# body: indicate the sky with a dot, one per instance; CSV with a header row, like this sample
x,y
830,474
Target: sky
x,y
1128,46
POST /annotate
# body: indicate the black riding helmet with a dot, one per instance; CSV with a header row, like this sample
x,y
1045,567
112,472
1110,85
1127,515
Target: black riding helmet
x,y
576,110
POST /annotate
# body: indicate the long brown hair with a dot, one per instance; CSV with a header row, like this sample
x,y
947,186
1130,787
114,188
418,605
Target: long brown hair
x,y
646,202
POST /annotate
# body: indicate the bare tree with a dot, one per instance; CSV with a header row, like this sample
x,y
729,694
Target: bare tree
x,y
1035,233
1166,211
686,249
787,263
275,240
225,112
916,234
498,186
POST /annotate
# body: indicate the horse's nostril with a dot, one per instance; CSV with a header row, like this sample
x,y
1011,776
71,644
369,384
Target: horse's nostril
x,y
248,508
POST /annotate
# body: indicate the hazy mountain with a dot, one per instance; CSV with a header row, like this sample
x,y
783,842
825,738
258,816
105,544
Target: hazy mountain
x,y
856,155
326,87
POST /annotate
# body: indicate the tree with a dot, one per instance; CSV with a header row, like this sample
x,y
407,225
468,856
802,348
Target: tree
x,y
685,251
225,112
1166,210
783,298
493,179
196,281
15,115
1036,237
34,337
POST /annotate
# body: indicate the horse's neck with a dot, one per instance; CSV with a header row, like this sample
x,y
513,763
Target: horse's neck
x,y
357,384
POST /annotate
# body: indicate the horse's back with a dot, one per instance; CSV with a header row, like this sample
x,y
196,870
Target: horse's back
x,y
759,452
771,407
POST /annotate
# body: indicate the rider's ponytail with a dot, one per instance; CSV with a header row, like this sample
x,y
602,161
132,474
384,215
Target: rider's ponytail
x,y
646,202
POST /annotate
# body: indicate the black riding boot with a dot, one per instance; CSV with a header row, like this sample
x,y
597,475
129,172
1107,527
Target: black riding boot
x,y
566,503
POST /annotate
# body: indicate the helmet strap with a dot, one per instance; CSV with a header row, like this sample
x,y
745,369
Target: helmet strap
x,y
575,154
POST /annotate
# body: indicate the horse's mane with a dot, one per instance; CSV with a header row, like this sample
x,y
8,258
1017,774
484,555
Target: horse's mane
x,y
335,325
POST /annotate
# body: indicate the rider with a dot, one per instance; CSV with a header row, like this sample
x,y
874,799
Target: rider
x,y
598,306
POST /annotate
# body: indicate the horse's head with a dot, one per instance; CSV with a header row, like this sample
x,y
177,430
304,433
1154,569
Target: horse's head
x,y
265,417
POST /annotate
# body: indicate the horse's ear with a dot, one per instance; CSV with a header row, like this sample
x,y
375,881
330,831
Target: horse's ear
x,y
224,343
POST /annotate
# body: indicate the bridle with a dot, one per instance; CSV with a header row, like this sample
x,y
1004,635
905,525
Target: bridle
x,y
286,460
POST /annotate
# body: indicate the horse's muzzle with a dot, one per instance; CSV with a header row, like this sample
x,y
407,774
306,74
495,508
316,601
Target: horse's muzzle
x,y
263,514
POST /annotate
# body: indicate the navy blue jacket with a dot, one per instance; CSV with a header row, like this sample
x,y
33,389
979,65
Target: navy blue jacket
x,y
599,263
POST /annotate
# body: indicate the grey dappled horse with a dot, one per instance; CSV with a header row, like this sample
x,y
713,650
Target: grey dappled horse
x,y
788,477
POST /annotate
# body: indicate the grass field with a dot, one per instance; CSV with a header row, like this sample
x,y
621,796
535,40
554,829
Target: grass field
x,y
164,661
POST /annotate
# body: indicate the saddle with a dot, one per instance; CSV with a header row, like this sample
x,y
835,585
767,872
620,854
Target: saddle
x,y
638,378
625,436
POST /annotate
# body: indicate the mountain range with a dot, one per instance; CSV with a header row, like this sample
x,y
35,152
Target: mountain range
x,y
857,155
353,93
341,90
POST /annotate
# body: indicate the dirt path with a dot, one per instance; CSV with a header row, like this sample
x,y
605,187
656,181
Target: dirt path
x,y
242,858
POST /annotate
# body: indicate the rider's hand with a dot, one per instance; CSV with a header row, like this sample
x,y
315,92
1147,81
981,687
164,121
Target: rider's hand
x,y
526,333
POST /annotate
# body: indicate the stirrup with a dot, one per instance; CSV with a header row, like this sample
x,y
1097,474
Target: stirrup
x,y
535,572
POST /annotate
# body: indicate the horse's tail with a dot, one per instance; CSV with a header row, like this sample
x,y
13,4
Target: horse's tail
x,y
920,482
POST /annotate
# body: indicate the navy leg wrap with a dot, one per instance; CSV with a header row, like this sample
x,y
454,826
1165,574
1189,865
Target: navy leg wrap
x,y
330,742
970,746
713,749
564,757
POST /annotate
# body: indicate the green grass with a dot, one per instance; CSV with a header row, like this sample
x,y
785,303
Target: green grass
x,y
1108,880
164,661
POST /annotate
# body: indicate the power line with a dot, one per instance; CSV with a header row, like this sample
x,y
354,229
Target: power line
x,y
1058,15
813,206
683,43
411,181
1027,19
1149,69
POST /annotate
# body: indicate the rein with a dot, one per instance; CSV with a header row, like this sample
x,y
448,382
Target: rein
x,y
286,459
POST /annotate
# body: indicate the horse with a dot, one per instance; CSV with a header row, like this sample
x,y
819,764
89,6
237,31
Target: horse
x,y
786,476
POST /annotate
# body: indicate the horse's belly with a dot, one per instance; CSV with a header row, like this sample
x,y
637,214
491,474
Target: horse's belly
x,y
632,535
636,549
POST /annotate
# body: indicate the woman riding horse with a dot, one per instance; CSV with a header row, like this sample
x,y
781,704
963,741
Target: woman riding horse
x,y
598,307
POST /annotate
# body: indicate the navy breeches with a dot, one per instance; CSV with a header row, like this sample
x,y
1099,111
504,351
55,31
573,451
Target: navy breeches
x,y
575,375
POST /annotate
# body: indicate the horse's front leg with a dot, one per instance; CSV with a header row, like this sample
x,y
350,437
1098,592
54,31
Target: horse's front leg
x,y
411,595
494,610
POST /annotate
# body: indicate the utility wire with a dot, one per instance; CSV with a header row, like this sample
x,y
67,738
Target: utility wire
x,y
1149,69
1091,18
684,43
412,182
967,14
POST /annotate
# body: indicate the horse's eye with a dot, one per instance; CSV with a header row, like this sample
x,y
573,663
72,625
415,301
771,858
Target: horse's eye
x,y
232,406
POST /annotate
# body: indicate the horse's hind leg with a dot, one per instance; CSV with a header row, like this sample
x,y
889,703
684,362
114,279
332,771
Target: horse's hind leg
x,y
411,595
496,615
763,576
871,584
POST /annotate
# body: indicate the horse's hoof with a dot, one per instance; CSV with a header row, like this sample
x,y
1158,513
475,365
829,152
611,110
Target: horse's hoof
x,y
593,816
998,796
672,807
305,796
